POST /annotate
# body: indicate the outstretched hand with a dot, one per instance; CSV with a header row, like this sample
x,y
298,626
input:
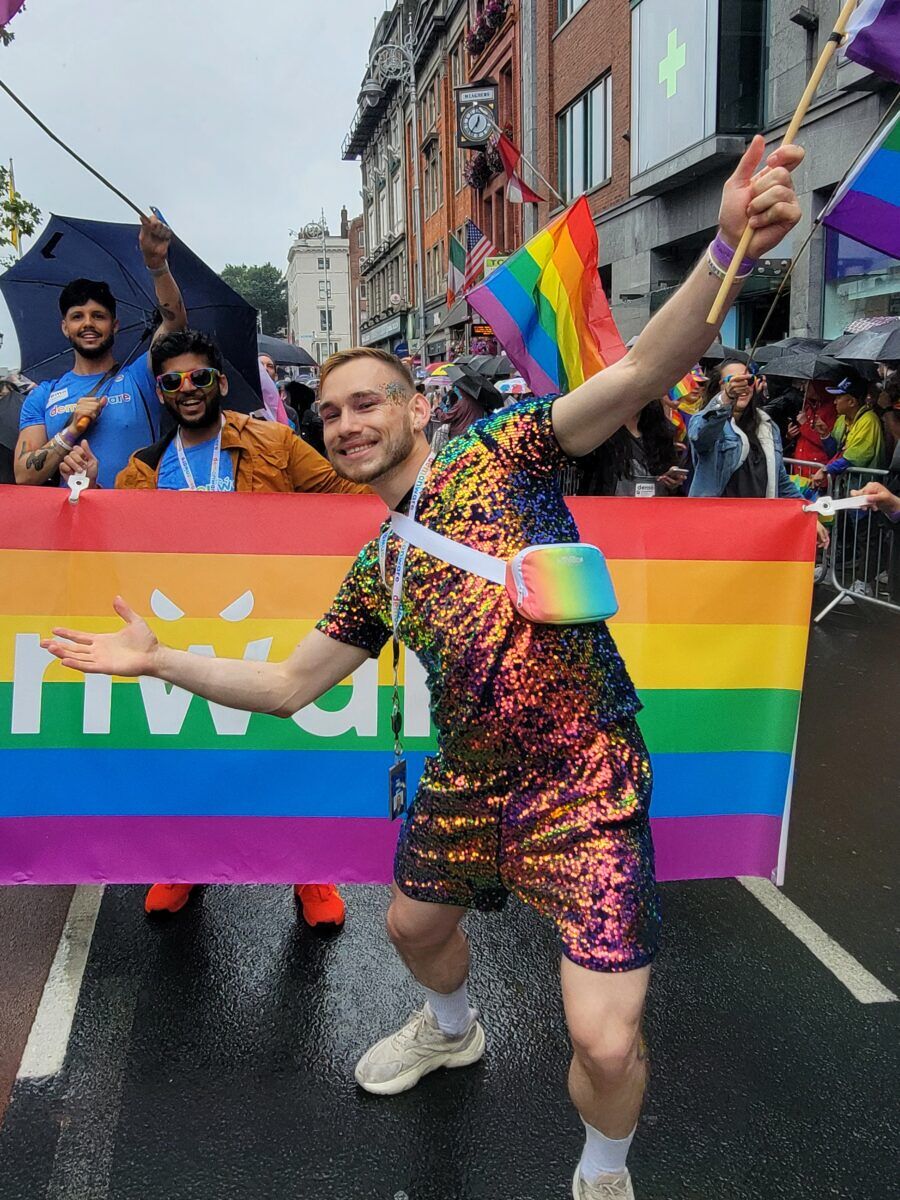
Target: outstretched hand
x,y
763,198
130,651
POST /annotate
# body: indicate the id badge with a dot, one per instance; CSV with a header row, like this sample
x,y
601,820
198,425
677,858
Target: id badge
x,y
397,778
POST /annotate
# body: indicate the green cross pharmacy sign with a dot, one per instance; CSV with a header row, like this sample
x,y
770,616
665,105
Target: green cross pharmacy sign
x,y
672,63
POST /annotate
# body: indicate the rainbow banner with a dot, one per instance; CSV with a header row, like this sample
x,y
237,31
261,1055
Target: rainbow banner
x,y
547,306
133,781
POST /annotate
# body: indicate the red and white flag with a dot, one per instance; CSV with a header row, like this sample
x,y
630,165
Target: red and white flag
x,y
478,248
517,191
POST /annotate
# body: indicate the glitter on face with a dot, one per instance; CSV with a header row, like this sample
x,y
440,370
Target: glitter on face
x,y
395,392
541,784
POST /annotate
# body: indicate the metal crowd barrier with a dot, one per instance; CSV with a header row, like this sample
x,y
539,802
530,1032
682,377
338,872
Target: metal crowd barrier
x,y
864,555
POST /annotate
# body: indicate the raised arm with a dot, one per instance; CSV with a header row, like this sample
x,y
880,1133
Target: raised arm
x,y
678,335
154,240
279,688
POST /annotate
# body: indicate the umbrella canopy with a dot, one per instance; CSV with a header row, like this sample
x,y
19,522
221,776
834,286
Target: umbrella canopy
x,y
10,407
282,353
719,353
495,366
791,345
805,364
469,381
70,248
881,344
438,368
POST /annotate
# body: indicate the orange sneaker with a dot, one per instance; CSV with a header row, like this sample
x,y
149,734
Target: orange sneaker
x,y
167,897
320,903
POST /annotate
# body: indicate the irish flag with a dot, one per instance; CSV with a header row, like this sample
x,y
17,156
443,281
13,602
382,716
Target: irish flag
x,y
133,781
456,270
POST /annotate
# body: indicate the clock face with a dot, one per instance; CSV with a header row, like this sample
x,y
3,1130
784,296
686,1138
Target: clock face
x,y
476,123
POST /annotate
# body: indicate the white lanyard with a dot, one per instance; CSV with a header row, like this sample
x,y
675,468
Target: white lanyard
x,y
186,467
397,589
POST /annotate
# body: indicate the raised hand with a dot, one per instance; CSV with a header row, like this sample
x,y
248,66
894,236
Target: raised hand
x,y
764,199
154,240
81,458
130,651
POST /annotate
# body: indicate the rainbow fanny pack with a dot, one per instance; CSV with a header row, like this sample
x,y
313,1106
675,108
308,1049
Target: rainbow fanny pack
x,y
563,583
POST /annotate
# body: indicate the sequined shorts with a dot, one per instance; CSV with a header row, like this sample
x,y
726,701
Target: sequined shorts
x,y
570,839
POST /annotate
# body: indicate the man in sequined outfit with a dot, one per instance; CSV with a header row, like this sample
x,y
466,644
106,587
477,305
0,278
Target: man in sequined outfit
x,y
541,783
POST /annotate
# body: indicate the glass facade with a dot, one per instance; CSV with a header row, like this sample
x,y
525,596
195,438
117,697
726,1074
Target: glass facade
x,y
859,282
742,60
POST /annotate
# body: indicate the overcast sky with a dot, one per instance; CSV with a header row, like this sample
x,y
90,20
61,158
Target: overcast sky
x,y
227,116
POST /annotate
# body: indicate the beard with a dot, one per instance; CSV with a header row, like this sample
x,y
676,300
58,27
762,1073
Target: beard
x,y
98,350
395,450
209,417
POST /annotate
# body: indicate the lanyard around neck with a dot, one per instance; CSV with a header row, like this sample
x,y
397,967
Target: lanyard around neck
x,y
397,589
186,471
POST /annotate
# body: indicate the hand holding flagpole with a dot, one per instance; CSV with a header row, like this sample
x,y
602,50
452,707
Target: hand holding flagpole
x,y
837,36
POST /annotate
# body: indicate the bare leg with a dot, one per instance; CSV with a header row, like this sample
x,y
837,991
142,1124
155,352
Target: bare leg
x,y
609,1068
430,941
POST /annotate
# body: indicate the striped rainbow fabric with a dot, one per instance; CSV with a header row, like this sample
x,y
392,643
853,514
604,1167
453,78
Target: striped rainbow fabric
x,y
130,781
547,306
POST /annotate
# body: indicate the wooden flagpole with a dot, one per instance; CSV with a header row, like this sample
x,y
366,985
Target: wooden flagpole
x,y
835,39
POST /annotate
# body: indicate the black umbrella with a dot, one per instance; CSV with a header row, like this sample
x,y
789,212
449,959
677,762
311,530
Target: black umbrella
x,y
719,353
10,406
70,248
881,344
498,366
481,390
284,354
805,364
791,345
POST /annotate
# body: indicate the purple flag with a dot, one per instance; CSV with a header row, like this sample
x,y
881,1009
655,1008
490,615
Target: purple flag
x,y
8,9
873,37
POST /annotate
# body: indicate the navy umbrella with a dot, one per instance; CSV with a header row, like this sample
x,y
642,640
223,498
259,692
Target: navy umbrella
x,y
70,248
284,354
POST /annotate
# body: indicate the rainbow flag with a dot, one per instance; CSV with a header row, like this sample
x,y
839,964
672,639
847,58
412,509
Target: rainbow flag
x,y
113,780
866,206
689,385
547,306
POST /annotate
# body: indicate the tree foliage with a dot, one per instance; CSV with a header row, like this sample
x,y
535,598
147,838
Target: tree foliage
x,y
15,212
265,288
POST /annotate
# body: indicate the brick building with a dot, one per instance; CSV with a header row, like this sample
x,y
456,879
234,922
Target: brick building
x,y
358,301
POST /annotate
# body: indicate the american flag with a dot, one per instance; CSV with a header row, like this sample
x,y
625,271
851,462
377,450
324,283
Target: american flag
x,y
478,248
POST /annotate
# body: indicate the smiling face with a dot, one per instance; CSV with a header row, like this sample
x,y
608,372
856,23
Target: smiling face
x,y
90,329
372,418
193,407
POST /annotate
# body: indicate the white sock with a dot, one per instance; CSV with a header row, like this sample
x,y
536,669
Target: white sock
x,y
451,1011
603,1155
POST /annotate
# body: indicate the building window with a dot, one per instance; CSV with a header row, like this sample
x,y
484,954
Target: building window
x,y
584,141
362,291
433,181
325,320
322,289
859,282
568,8
743,59
324,264
361,238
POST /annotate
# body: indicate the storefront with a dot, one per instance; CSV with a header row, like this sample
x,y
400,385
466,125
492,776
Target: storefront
x,y
386,335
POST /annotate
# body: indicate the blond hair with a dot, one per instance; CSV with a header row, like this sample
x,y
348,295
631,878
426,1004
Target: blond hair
x,y
356,352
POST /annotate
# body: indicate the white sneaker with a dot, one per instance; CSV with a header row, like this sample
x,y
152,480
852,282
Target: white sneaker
x,y
399,1061
861,588
607,1187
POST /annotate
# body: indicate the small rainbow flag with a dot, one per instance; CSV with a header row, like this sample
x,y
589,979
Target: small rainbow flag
x,y
141,782
687,386
547,306
866,206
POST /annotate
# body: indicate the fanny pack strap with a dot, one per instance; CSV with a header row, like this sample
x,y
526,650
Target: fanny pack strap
x,y
475,562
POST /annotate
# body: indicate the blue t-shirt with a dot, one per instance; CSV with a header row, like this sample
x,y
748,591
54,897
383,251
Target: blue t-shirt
x,y
171,477
121,428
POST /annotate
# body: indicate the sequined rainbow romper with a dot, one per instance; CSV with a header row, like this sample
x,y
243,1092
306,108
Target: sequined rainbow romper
x,y
541,784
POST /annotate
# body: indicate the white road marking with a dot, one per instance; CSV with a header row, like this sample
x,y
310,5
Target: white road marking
x,y
853,975
45,1050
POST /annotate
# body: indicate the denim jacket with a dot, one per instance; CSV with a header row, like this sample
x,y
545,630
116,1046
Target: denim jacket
x,y
719,447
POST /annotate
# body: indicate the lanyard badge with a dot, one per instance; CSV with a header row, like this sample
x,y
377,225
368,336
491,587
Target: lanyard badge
x,y
397,773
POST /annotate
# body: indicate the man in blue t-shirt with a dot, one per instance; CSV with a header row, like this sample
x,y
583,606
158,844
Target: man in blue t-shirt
x,y
116,406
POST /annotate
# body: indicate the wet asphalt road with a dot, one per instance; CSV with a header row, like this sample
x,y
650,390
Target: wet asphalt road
x,y
212,1054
